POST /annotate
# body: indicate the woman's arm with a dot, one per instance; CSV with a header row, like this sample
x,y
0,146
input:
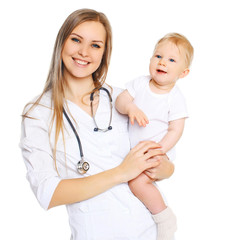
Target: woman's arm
x,y
138,160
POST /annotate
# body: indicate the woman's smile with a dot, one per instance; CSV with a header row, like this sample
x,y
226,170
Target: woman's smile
x,y
79,62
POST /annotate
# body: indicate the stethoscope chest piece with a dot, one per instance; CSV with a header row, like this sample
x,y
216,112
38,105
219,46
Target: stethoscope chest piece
x,y
82,166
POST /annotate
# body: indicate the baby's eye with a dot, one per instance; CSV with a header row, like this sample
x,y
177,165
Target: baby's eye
x,y
158,56
171,60
95,45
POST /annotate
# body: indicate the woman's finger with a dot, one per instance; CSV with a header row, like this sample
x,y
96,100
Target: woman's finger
x,y
152,153
145,146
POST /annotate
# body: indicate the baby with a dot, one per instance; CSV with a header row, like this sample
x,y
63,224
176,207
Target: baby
x,y
157,104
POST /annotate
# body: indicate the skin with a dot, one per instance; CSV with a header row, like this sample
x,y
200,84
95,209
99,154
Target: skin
x,y
138,160
167,65
81,55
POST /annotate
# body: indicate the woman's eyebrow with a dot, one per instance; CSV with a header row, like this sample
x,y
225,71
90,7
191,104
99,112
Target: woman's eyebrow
x,y
97,41
77,35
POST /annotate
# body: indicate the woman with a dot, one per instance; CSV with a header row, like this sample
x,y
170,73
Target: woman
x,y
99,202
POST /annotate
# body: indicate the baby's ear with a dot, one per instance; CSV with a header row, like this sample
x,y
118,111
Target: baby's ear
x,y
184,73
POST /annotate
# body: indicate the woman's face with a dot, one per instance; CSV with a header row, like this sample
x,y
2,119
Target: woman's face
x,y
83,50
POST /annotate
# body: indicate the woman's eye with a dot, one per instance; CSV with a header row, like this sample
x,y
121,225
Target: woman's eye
x,y
171,60
95,45
158,56
75,39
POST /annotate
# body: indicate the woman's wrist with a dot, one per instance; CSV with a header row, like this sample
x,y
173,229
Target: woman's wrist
x,y
119,175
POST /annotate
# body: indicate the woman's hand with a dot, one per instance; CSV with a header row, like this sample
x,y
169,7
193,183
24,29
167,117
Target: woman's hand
x,y
139,159
163,169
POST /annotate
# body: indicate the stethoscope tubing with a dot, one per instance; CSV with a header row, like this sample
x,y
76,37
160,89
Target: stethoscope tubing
x,y
83,166
75,132
92,112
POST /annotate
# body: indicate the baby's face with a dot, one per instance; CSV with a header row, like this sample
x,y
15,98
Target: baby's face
x,y
167,64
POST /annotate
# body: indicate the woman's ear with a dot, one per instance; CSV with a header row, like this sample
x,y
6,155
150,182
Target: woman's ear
x,y
184,73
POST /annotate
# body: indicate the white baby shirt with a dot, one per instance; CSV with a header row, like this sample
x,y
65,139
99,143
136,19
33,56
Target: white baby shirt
x,y
159,108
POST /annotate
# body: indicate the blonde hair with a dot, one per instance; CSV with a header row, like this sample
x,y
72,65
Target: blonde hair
x,y
55,81
182,43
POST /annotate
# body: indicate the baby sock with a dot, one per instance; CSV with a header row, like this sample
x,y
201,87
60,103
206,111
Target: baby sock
x,y
166,224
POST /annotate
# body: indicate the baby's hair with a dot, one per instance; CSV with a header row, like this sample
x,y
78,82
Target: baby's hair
x,y
182,43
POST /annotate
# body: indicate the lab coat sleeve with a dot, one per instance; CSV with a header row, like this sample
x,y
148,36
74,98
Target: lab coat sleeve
x,y
37,155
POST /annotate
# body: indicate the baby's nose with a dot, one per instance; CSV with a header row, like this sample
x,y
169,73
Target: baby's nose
x,y
162,62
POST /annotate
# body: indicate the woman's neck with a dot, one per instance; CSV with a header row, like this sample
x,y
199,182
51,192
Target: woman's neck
x,y
76,89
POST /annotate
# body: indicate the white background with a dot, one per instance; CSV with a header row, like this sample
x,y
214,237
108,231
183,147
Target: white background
x,y
197,191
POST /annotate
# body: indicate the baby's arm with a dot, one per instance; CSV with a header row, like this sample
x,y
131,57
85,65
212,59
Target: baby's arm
x,y
174,133
124,104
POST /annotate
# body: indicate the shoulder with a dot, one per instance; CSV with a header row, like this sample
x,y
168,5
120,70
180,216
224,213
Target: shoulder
x,y
39,107
140,81
177,104
137,85
114,91
176,93
42,99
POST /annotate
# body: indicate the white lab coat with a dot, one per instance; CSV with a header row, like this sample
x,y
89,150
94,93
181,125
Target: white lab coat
x,y
113,215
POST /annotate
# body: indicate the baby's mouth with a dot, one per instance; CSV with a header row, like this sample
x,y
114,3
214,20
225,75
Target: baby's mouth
x,y
161,71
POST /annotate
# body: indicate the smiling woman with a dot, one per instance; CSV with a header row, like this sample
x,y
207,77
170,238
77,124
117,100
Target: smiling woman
x,y
100,204
83,51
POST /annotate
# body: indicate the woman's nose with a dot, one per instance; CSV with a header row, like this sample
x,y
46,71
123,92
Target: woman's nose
x,y
83,51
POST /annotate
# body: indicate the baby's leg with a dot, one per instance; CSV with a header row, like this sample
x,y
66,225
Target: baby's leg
x,y
143,188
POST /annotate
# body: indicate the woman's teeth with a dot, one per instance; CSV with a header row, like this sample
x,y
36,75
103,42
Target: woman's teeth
x,y
81,62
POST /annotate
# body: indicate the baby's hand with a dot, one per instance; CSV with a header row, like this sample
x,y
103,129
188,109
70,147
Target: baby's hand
x,y
135,113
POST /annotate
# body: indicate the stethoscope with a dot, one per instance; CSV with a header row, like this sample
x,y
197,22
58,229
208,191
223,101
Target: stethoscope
x,y
82,165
